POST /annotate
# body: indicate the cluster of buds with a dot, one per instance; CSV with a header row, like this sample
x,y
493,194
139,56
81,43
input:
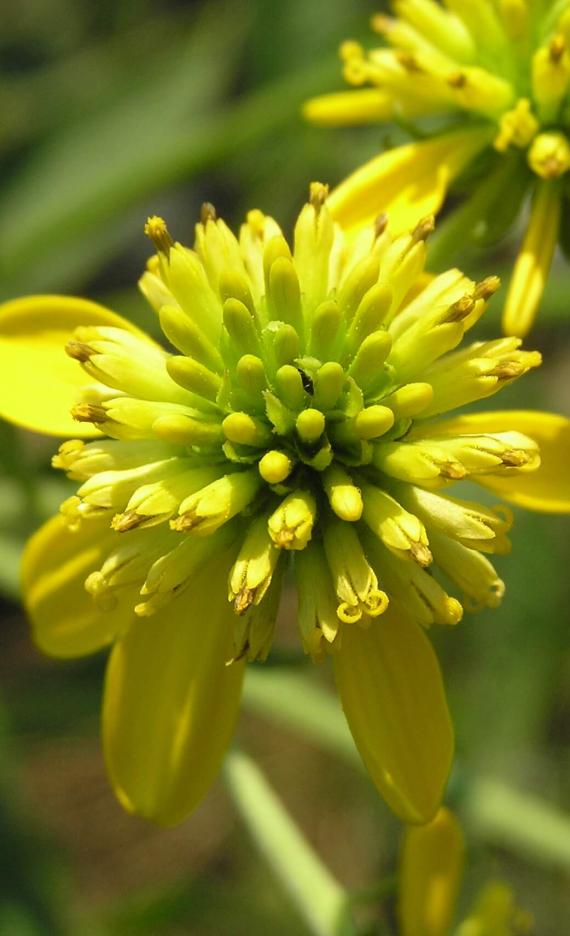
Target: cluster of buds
x,y
295,421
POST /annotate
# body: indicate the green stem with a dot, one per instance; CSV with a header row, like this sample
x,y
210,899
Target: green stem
x,y
319,898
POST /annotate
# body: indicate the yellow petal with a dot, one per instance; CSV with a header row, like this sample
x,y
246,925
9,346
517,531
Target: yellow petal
x,y
171,702
431,867
547,489
534,260
348,108
65,620
496,913
392,693
40,382
406,183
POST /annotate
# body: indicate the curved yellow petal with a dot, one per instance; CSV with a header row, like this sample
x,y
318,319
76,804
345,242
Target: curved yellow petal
x,y
496,912
171,702
65,620
40,383
392,693
431,868
406,183
547,489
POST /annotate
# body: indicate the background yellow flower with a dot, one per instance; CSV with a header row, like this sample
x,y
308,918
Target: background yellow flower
x,y
484,89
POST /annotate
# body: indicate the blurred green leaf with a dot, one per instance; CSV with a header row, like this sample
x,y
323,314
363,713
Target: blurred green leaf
x,y
97,166
518,821
10,554
58,229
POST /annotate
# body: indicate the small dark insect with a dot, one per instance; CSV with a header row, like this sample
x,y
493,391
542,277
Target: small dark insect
x,y
308,385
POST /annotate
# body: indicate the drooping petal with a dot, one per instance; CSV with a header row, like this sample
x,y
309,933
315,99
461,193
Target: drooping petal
x,y
66,622
171,702
392,693
406,183
431,867
42,383
547,489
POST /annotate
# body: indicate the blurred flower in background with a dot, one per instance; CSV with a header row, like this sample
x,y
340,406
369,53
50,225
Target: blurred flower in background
x,y
484,87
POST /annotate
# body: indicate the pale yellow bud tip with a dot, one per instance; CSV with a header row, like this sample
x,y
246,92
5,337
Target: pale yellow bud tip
x,y
275,467
310,425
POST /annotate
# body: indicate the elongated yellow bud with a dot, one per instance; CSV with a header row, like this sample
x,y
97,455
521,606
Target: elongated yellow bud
x,y
344,496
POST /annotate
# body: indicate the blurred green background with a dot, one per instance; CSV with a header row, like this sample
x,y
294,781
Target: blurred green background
x,y
110,112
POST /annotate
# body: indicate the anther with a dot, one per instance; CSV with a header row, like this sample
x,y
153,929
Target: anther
x,y
460,309
507,370
515,458
421,554
207,213
457,80
89,412
79,350
453,470
408,61
486,288
156,229
318,194
423,229
556,48
244,600
129,520
380,225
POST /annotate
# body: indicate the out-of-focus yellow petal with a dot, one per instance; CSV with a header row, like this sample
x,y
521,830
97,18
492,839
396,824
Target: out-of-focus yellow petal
x,y
547,489
171,702
496,913
40,383
431,867
348,108
534,260
65,620
392,693
406,183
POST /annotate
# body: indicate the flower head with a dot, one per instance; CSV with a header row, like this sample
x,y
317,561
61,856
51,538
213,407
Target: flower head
x,y
292,426
496,78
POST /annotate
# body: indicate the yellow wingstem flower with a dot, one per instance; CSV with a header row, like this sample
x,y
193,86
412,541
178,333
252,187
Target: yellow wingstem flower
x,y
431,871
293,426
496,76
